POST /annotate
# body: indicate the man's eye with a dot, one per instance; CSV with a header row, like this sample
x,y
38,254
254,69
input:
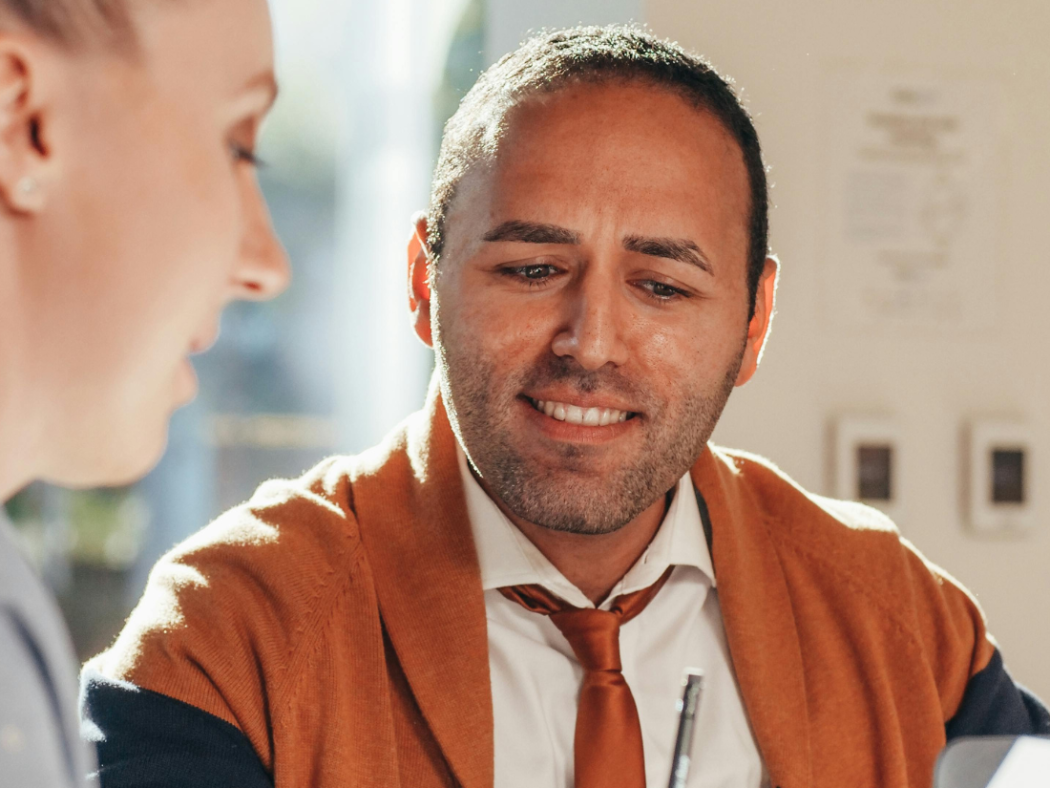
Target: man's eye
x,y
534,274
537,271
660,291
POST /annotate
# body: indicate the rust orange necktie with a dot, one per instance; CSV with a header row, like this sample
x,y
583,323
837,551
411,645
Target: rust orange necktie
x,y
608,741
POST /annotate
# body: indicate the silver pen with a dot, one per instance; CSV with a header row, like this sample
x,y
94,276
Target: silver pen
x,y
688,708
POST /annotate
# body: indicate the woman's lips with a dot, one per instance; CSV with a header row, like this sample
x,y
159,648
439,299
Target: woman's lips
x,y
205,340
186,383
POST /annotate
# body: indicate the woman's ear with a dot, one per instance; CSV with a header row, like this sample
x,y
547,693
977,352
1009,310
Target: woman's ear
x,y
419,280
24,153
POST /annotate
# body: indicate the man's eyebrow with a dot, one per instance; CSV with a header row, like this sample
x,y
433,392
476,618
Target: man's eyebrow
x,y
681,249
532,233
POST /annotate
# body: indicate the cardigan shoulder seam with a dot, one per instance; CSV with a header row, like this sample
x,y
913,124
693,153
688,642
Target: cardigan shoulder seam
x,y
338,577
314,629
889,613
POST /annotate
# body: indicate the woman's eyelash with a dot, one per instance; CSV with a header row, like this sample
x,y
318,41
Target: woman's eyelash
x,y
246,155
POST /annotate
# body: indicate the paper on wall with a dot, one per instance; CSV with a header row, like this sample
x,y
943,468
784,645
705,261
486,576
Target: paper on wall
x,y
911,225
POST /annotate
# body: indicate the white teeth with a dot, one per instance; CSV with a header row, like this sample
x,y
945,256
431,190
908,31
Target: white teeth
x,y
587,417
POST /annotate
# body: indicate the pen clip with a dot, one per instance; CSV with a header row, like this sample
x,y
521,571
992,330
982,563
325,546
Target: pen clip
x,y
688,708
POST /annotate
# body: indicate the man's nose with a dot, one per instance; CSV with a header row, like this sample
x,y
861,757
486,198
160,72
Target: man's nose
x,y
263,271
593,333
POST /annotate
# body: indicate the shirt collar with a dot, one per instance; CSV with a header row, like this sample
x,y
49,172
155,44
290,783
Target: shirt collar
x,y
508,558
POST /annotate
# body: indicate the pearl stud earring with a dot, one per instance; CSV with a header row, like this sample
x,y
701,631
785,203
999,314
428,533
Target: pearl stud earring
x,y
28,195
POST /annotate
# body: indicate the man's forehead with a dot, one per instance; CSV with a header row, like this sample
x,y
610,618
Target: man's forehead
x,y
627,149
583,99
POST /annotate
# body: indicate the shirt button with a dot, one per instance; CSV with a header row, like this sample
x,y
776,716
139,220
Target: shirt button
x,y
12,739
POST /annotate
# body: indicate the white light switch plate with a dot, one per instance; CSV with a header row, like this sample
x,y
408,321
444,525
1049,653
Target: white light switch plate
x,y
986,436
853,431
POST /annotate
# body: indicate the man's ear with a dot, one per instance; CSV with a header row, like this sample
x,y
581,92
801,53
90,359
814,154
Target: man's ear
x,y
419,280
761,321
24,153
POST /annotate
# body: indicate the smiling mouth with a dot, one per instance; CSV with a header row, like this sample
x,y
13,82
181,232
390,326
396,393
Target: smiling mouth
x,y
585,417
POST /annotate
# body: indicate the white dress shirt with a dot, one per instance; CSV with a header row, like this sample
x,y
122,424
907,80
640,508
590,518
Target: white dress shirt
x,y
536,679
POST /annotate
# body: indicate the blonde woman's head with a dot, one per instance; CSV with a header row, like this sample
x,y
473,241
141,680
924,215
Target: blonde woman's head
x,y
130,215
72,22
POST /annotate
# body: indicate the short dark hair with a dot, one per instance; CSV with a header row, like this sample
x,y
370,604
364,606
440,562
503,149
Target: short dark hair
x,y
72,22
552,61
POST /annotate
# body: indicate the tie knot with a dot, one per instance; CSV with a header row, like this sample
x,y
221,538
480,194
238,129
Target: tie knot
x,y
594,636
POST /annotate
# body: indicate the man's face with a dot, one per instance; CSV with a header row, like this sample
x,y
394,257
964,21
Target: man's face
x,y
154,222
591,309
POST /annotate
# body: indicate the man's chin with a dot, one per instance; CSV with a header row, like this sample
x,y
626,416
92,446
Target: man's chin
x,y
583,526
574,466
585,504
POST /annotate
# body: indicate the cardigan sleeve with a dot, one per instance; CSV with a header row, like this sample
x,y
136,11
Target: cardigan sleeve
x,y
979,697
995,705
147,739
204,657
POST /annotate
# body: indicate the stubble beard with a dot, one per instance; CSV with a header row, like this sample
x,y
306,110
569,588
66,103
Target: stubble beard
x,y
570,498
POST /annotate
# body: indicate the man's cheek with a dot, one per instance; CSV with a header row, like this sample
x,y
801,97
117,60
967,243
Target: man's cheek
x,y
507,332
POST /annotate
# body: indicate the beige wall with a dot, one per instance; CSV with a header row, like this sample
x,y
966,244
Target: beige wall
x,y
931,381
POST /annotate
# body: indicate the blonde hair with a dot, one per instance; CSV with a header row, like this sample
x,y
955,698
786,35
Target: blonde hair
x,y
72,22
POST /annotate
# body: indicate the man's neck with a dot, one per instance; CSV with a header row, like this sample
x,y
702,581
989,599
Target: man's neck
x,y
594,563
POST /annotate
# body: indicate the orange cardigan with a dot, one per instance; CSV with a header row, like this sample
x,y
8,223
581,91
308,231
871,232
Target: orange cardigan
x,y
338,622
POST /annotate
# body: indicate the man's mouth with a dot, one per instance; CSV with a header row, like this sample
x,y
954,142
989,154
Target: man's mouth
x,y
585,417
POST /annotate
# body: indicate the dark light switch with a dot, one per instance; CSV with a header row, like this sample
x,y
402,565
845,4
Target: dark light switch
x,y
874,472
1008,476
